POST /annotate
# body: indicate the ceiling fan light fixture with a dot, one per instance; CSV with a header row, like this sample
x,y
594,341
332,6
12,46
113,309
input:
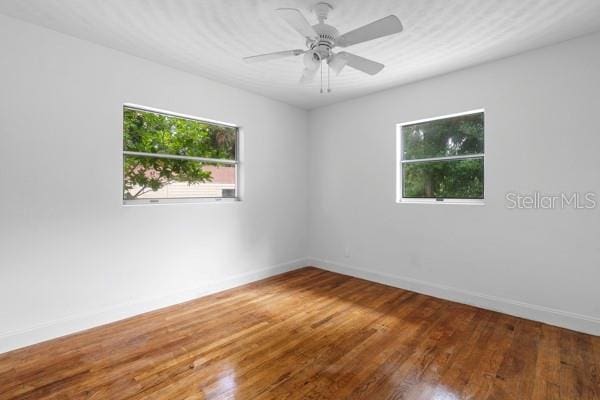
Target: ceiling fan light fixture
x,y
337,63
312,60
308,75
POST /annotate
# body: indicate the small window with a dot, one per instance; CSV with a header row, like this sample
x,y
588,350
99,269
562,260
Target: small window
x,y
169,158
441,159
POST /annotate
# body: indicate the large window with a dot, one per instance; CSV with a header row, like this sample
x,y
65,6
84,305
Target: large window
x,y
169,157
441,159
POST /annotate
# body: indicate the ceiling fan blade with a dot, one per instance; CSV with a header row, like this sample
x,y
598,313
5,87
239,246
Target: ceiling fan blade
x,y
360,63
382,27
298,21
274,56
308,75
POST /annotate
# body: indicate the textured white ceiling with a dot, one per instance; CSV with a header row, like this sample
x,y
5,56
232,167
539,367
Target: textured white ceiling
x,y
209,37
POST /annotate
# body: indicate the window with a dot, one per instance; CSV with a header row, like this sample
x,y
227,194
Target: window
x,y
441,159
169,157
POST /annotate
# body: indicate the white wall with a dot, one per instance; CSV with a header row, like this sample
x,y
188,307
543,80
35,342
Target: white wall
x,y
71,255
542,134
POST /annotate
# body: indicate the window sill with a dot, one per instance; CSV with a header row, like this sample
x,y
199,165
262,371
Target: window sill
x,y
445,202
158,202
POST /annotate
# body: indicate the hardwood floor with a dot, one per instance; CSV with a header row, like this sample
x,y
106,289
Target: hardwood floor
x,y
310,334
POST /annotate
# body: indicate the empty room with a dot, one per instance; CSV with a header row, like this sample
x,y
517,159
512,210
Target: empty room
x,y
300,199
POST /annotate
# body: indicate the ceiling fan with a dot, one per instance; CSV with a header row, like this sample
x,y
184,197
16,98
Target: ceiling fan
x,y
322,38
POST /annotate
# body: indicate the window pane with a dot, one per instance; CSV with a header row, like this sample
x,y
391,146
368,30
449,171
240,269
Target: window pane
x,y
455,179
161,178
148,132
445,137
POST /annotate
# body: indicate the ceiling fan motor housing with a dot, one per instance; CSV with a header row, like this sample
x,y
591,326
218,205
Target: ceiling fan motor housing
x,y
326,40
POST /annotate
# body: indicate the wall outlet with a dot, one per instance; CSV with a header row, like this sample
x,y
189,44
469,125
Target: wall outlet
x,y
346,251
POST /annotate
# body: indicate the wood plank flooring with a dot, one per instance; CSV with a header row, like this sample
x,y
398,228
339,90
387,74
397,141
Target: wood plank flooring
x,y
310,334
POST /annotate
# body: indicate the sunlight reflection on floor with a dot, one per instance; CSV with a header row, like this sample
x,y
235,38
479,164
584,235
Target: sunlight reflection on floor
x,y
226,383
443,393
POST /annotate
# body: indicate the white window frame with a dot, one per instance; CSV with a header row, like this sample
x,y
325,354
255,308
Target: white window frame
x,y
186,200
400,162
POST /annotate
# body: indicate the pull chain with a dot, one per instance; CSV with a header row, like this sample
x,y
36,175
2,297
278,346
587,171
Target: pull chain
x,y
321,77
328,79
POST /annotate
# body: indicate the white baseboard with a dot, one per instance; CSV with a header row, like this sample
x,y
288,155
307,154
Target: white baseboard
x,y
61,327
75,323
564,319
